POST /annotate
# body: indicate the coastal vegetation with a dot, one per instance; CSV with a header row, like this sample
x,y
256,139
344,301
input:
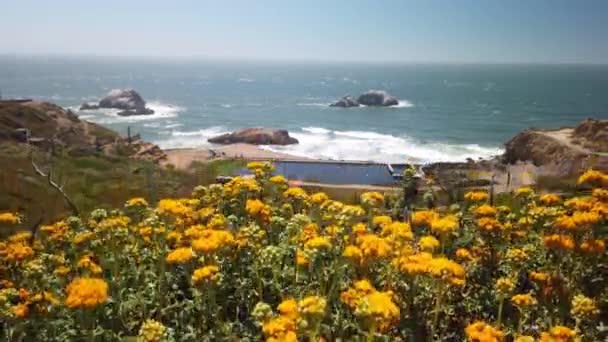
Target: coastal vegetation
x,y
255,259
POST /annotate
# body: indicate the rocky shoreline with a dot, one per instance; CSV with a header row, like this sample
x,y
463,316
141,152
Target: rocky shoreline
x,y
529,154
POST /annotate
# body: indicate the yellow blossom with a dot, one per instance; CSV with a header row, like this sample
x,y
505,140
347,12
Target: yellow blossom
x,y
372,199
482,332
180,255
312,305
445,225
136,202
550,199
319,198
476,196
151,331
205,274
523,300
289,308
558,334
428,243
583,307
485,211
9,218
423,218
86,293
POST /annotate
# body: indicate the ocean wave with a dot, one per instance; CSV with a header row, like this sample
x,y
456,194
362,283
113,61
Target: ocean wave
x,y
191,139
313,104
321,143
110,115
401,104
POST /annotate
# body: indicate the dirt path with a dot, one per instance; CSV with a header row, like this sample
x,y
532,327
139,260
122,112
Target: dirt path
x,y
564,136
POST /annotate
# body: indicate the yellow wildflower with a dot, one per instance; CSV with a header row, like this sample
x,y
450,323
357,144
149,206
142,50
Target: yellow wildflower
x,y
289,308
296,194
523,300
353,253
86,293
550,199
318,243
524,192
504,285
372,199
592,177
423,218
319,198
9,218
428,243
181,255
583,307
151,331
136,202
476,196
381,220
558,334
445,225
205,274
482,332
484,211
312,305
557,241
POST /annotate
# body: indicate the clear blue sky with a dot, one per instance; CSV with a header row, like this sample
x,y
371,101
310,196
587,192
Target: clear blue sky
x,y
537,31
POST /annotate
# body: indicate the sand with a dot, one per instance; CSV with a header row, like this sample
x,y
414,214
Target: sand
x,y
182,158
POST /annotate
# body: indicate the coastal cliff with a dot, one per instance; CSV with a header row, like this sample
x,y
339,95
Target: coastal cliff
x,y
563,151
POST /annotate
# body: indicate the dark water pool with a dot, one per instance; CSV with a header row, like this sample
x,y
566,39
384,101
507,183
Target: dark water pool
x,y
337,172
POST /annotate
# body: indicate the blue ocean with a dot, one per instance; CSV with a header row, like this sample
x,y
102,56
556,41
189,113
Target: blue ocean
x,y
445,112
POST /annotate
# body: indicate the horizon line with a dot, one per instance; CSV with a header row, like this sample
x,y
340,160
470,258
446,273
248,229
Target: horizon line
x,y
210,58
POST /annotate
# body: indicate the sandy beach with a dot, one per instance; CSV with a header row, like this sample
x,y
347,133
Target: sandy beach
x,y
182,158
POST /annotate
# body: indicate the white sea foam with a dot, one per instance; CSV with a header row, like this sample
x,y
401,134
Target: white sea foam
x,y
317,142
313,104
401,104
110,115
185,139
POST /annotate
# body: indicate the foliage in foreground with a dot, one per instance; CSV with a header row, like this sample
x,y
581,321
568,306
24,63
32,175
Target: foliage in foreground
x,y
254,259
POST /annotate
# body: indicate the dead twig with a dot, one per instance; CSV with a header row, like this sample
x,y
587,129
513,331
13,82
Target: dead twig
x,y
53,184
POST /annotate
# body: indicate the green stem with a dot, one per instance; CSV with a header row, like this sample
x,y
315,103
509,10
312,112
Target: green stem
x,y
500,306
437,309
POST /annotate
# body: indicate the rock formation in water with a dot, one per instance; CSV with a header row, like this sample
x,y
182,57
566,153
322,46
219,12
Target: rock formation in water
x,y
255,136
346,102
128,100
375,98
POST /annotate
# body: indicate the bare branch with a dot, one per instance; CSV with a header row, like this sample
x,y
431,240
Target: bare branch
x,y
54,185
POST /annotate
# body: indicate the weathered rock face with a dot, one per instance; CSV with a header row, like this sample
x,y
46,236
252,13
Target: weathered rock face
x,y
255,136
346,102
128,100
592,134
47,126
377,98
565,151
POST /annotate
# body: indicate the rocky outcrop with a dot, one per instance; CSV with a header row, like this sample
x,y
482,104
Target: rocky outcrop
x,y
50,127
564,151
592,134
346,102
377,98
255,136
128,100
